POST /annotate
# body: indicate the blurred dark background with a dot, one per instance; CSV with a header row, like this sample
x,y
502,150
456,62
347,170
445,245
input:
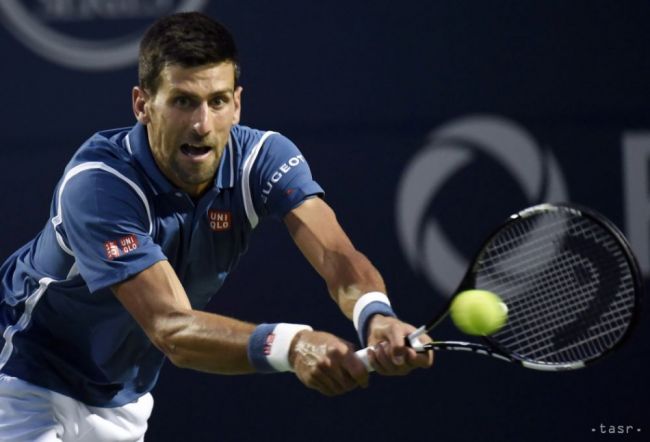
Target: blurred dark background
x,y
376,94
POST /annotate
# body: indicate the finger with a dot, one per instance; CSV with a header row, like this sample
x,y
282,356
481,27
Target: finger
x,y
422,360
354,379
389,367
383,362
355,370
351,371
346,380
412,360
344,369
397,349
329,385
321,387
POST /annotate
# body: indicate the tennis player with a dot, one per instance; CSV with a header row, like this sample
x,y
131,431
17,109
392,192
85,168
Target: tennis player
x,y
145,225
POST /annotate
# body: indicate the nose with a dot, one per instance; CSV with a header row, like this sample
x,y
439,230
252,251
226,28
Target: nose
x,y
201,120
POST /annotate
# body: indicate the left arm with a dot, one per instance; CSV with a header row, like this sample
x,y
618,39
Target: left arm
x,y
347,272
349,275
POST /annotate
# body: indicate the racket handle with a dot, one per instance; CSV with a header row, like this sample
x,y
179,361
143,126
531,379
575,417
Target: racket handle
x,y
363,355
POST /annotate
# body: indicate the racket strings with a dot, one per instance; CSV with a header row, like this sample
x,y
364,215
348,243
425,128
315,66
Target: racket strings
x,y
561,335
558,332
563,281
567,284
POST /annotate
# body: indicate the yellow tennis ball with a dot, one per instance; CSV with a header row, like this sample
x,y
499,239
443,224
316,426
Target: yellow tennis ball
x,y
478,312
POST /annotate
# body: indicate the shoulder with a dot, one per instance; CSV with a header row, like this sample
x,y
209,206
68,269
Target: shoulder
x,y
263,149
104,157
109,144
252,141
102,172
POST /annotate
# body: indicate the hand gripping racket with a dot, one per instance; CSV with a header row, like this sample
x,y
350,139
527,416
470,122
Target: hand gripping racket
x,y
571,284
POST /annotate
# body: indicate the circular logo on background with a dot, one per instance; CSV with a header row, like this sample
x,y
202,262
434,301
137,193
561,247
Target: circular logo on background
x,y
58,30
449,149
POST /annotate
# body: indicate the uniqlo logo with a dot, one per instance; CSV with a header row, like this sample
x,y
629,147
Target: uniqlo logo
x,y
219,220
128,243
112,250
115,249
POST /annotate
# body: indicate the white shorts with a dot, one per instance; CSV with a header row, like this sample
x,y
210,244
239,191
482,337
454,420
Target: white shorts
x,y
32,413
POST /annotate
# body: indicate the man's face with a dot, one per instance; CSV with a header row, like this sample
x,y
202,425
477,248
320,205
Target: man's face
x,y
188,121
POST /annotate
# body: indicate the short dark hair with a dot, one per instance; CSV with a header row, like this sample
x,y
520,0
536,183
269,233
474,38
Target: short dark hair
x,y
186,39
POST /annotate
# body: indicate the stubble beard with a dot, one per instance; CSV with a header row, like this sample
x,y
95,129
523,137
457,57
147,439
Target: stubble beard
x,y
195,175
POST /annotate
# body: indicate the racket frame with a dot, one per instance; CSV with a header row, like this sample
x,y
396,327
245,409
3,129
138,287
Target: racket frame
x,y
490,347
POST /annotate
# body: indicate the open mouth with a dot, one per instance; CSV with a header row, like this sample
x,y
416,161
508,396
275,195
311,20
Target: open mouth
x,y
195,151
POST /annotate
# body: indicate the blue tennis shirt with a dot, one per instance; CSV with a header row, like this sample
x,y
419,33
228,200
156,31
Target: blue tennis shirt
x,y
114,214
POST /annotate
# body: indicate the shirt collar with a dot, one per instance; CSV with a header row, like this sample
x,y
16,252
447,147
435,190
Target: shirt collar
x,y
226,173
137,143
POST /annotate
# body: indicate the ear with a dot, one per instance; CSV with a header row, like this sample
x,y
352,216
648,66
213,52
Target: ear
x,y
237,98
139,100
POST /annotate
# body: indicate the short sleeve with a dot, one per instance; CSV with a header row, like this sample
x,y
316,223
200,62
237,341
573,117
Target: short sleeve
x,y
106,223
281,178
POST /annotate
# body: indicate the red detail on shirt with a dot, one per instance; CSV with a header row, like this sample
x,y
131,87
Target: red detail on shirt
x,y
219,220
112,250
115,249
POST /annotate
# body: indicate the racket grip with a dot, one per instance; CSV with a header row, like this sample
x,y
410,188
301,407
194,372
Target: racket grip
x,y
363,355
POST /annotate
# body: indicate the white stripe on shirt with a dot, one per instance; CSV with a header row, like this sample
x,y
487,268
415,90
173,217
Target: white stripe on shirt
x,y
58,219
253,219
24,320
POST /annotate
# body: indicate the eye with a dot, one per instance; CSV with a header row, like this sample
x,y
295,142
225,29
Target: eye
x,y
182,102
218,102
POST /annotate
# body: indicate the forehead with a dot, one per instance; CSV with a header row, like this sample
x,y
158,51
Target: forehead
x,y
198,79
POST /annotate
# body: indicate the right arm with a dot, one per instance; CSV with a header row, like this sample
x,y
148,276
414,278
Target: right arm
x,y
218,344
189,338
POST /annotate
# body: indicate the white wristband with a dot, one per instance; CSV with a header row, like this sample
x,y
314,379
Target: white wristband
x,y
363,301
280,344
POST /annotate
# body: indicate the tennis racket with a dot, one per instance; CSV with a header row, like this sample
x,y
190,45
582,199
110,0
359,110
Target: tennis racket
x,y
571,284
